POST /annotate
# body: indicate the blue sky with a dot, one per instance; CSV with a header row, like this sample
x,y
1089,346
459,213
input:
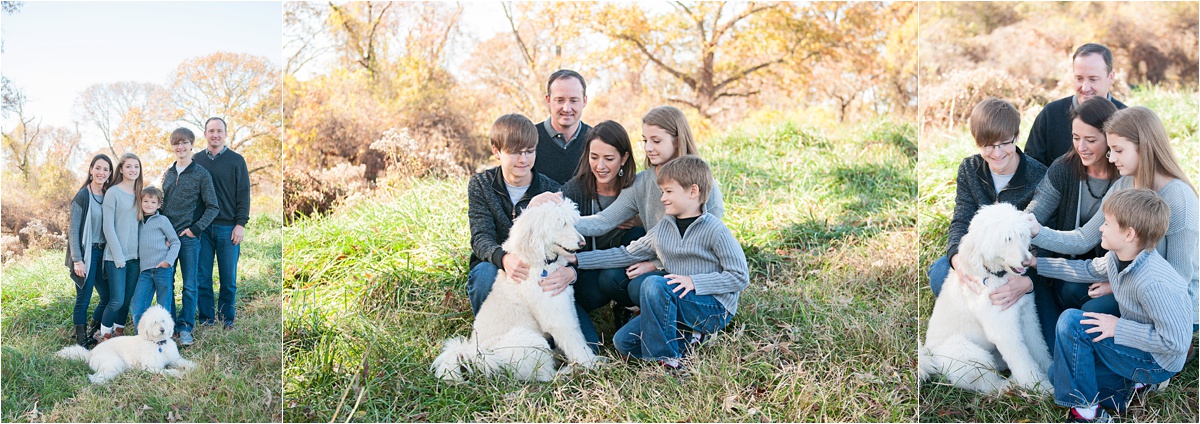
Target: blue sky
x,y
54,50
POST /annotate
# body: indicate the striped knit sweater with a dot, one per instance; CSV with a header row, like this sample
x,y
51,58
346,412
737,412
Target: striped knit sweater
x,y
1180,246
120,226
642,199
707,252
1154,311
157,242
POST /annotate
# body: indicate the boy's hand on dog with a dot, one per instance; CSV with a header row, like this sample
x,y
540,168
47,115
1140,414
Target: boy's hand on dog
x,y
1007,295
684,282
517,269
1100,288
571,258
633,271
558,280
1105,324
546,197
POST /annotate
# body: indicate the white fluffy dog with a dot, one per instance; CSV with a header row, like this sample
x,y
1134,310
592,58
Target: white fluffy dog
x,y
966,331
150,350
510,330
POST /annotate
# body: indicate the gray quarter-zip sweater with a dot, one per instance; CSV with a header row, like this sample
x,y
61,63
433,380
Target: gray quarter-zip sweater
x,y
1179,246
120,226
707,252
1155,309
157,242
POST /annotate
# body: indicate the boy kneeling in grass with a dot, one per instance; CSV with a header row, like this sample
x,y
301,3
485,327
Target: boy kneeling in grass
x,y
707,269
1099,359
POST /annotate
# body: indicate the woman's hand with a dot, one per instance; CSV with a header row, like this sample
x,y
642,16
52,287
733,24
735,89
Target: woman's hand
x,y
558,280
546,197
571,258
164,264
1034,227
1099,288
80,269
636,221
971,281
517,269
633,271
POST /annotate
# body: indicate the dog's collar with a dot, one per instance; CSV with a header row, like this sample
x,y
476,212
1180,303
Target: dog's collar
x,y
160,344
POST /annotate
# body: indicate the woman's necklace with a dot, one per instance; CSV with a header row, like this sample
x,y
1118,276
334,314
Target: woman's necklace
x,y
1088,183
94,195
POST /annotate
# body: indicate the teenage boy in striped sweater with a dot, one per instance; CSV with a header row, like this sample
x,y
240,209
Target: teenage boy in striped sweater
x,y
1100,359
707,269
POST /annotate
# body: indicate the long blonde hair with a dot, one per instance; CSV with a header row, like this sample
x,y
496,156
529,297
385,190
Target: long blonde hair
x,y
1142,127
137,184
671,120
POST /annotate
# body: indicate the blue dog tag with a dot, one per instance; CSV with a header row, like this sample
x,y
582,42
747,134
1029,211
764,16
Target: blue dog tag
x,y
544,274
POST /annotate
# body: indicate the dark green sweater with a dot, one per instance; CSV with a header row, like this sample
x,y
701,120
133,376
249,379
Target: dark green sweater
x,y
231,180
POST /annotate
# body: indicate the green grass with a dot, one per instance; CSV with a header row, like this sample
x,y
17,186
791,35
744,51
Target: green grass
x,y
825,332
941,153
237,379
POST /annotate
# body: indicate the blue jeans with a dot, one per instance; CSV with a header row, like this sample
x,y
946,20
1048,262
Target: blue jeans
x,y
189,256
215,241
121,282
937,274
83,296
157,283
1087,373
655,333
479,284
1075,295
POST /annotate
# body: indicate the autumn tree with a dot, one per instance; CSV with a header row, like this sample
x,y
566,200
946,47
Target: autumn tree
x,y
242,89
129,115
21,143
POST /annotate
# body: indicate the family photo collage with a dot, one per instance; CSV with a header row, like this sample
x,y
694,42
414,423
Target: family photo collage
x,y
585,211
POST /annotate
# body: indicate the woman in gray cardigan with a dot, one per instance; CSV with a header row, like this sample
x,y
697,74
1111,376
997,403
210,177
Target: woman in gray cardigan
x,y
1070,195
85,250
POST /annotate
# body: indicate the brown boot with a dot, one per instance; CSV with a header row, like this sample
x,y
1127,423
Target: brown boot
x,y
118,332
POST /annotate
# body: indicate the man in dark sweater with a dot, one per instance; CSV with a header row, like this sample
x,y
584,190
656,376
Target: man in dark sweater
x,y
1050,136
222,239
560,137
190,203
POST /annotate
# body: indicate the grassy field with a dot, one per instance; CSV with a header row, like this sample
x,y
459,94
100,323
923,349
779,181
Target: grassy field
x,y
238,375
825,332
941,153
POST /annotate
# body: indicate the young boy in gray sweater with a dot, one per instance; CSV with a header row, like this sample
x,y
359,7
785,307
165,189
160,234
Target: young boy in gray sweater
x,y
158,246
1100,359
707,269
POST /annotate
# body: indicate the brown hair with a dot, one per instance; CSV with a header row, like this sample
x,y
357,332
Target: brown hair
x,y
137,184
181,134
1142,210
688,170
151,191
612,134
513,132
1095,48
1142,127
994,120
1094,112
671,120
564,74
107,183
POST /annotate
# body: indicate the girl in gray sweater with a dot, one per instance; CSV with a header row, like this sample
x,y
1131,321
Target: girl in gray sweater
x,y
121,215
85,250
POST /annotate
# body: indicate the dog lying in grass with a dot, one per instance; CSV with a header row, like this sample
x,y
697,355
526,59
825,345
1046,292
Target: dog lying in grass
x,y
150,350
969,338
509,333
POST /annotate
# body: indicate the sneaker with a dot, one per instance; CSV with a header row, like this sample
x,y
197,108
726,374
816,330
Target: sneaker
x,y
1101,417
1141,393
185,338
